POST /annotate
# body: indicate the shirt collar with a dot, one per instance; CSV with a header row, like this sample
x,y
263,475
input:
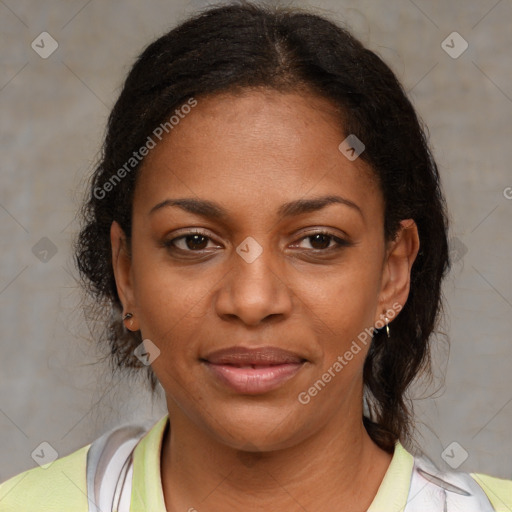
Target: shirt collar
x,y
394,488
147,493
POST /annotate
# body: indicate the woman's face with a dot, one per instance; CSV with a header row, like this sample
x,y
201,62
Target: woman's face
x,y
253,272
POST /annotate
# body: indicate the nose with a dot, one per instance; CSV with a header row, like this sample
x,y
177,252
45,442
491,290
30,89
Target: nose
x,y
254,290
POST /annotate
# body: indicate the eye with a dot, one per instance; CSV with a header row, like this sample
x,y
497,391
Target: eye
x,y
323,241
193,241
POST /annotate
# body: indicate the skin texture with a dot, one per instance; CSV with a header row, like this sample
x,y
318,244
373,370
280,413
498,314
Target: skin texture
x,y
252,152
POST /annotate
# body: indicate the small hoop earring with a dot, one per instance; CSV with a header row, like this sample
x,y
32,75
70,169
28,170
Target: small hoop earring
x,y
387,326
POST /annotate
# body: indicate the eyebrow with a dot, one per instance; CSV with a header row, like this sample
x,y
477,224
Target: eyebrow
x,y
213,210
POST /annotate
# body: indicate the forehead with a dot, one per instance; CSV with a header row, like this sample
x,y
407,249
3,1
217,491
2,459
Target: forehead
x,y
259,145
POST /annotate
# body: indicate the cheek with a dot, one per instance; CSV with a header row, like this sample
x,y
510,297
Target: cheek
x,y
170,311
166,299
345,298
171,317
165,293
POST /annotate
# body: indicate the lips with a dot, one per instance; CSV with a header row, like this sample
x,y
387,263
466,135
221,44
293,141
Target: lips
x,y
253,371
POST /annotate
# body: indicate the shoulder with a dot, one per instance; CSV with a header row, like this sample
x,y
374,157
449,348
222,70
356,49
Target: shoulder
x,y
60,486
431,487
498,490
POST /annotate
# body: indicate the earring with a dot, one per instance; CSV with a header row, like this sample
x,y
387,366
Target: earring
x,y
128,316
387,326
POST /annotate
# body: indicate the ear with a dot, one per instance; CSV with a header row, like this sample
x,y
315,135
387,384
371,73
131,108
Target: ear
x,y
396,275
122,265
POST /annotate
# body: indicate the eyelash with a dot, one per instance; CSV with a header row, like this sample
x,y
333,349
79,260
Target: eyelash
x,y
340,243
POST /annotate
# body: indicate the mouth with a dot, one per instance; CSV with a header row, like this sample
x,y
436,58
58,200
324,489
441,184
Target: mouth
x,y
253,371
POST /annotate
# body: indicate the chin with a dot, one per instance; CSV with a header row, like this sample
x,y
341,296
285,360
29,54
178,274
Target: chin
x,y
259,428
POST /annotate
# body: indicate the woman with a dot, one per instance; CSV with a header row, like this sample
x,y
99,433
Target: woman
x,y
267,235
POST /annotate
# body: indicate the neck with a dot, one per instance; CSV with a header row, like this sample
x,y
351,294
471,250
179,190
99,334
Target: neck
x,y
337,468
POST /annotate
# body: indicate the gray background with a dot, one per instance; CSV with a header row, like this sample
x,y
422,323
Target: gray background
x,y
53,113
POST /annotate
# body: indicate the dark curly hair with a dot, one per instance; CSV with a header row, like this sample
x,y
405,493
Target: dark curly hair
x,y
242,45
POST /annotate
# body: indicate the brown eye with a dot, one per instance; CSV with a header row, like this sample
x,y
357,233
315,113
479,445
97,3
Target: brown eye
x,y
198,242
189,242
322,241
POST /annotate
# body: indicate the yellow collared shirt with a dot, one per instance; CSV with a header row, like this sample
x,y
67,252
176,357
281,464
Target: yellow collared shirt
x,y
61,487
